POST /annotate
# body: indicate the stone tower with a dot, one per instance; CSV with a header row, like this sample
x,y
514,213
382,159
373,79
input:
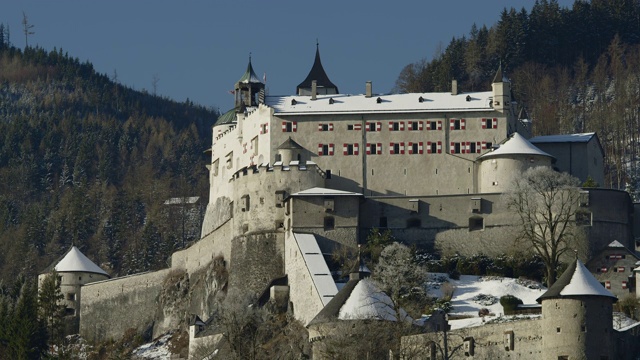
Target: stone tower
x,y
501,92
498,168
74,270
577,318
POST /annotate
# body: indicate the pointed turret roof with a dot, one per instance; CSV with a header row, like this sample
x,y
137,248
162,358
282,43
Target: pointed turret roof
x,y
499,75
516,145
576,281
249,75
75,261
290,144
318,74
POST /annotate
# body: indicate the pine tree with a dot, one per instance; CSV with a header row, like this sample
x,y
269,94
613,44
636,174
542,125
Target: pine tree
x,y
50,309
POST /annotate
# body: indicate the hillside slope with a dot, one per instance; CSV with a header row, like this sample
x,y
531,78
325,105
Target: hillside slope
x,y
87,161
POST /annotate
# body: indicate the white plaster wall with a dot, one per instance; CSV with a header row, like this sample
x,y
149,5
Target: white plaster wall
x,y
306,300
496,173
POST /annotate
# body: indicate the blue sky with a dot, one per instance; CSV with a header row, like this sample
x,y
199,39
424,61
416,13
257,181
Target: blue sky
x,y
198,49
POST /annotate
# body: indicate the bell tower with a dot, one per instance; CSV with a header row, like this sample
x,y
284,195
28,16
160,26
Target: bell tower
x,y
249,90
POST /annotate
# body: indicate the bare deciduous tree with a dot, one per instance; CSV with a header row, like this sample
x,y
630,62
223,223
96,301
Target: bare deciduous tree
x,y
545,203
398,275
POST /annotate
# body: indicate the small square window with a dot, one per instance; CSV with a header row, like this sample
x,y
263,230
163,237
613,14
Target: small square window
x,y
329,223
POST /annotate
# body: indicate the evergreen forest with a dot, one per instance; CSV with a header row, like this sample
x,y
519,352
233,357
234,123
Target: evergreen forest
x,y
572,70
86,161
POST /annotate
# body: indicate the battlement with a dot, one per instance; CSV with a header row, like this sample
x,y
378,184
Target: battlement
x,y
278,166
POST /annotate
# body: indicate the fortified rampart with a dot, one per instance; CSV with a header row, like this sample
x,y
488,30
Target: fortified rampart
x,y
512,340
110,307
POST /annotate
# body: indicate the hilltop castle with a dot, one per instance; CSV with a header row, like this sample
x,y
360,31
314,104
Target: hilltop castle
x,y
295,177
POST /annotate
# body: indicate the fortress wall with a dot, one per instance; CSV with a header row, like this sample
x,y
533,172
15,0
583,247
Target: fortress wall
x,y
113,306
202,252
256,259
309,213
489,341
612,216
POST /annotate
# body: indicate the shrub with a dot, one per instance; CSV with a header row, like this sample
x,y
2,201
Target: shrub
x,y
509,303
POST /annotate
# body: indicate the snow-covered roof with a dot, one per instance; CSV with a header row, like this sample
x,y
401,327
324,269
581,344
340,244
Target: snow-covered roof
x,y
576,281
615,244
76,261
319,191
317,266
583,137
182,200
391,103
516,145
367,302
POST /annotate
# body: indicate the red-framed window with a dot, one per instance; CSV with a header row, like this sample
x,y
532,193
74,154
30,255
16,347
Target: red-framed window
x,y
325,149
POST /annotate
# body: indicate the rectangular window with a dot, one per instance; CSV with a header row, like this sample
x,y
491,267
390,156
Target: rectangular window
x,y
264,128
607,284
583,218
350,149
254,145
374,148
289,126
458,124
434,125
229,160
329,223
416,148
456,148
490,123
325,127
396,126
374,126
415,125
396,148
325,149
624,285
472,147
434,147
71,296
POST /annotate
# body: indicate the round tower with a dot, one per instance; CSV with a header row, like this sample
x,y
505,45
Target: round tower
x,y
74,271
577,317
498,167
290,151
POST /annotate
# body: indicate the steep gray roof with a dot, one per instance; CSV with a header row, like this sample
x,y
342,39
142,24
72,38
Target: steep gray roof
x,y
576,281
318,74
290,144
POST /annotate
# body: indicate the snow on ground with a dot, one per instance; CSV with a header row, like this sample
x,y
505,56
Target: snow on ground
x,y
157,349
472,293
467,299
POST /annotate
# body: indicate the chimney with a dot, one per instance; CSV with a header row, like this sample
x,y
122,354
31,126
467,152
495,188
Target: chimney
x,y
314,89
368,89
454,87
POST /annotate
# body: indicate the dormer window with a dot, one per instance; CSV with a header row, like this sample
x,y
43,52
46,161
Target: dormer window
x,y
294,102
331,101
378,100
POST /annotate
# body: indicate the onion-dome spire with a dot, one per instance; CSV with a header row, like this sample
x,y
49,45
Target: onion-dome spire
x,y
249,76
317,73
